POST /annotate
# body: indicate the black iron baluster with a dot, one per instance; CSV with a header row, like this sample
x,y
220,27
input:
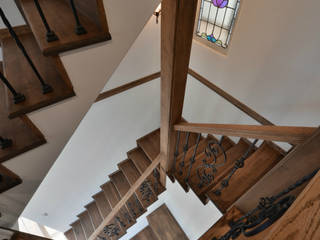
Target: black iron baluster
x,y
176,152
5,143
46,88
213,150
79,28
267,212
146,191
17,97
133,213
185,150
51,36
192,159
122,224
238,164
111,230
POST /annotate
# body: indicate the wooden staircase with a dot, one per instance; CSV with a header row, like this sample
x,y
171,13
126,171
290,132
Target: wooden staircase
x,y
14,124
259,161
120,182
162,226
61,20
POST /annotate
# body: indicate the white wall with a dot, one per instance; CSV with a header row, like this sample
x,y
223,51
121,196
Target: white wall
x,y
272,66
193,217
89,69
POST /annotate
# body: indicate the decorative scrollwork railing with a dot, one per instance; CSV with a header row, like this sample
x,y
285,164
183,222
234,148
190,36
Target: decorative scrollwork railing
x,y
214,157
268,211
210,164
240,163
208,168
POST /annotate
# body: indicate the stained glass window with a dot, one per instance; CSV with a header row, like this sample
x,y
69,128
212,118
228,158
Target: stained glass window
x,y
216,20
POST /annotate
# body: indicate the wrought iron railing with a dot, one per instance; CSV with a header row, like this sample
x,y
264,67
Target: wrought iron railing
x,y
267,212
240,163
50,35
214,157
46,88
5,143
17,97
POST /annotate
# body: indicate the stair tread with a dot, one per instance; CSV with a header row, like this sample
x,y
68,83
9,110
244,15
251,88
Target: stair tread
x,y
122,185
70,234
61,20
299,162
181,174
21,131
145,234
86,223
94,214
139,158
232,154
105,208
142,162
78,230
150,144
132,174
222,226
113,197
256,166
8,179
102,204
25,80
164,225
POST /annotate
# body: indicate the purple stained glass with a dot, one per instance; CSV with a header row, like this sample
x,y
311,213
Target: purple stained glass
x,y
220,3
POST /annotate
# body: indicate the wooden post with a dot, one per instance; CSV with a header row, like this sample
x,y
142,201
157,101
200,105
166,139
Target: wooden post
x,y
178,19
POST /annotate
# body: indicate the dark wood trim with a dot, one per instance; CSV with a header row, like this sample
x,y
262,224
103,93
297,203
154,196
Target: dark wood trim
x,y
178,19
127,86
126,197
253,114
294,135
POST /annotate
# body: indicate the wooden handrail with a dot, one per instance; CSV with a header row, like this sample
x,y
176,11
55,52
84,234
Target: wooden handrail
x,y
253,114
126,197
127,86
293,135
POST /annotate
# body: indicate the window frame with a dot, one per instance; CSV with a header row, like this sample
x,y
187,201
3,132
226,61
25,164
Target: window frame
x,y
215,47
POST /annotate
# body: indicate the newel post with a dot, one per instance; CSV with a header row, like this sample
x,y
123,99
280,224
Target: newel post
x,y
177,24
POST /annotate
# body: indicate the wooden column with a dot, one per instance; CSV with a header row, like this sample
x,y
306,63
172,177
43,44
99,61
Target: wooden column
x,y
178,19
